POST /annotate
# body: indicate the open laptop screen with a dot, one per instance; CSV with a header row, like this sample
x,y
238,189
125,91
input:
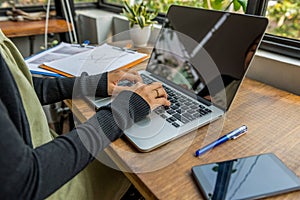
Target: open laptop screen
x,y
206,53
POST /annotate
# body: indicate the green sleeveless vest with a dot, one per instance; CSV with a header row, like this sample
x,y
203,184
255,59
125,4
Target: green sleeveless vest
x,y
97,181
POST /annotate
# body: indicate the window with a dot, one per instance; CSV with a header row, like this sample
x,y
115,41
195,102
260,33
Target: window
x,y
283,32
284,18
30,3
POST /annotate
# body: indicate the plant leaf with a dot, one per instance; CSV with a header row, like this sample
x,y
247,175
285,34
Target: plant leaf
x,y
128,8
217,5
205,3
219,1
141,21
139,14
243,4
236,5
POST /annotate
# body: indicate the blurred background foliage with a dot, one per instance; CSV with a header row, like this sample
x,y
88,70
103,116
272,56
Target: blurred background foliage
x,y
284,15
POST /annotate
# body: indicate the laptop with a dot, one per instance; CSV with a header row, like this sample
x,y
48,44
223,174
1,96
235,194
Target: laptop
x,y
201,56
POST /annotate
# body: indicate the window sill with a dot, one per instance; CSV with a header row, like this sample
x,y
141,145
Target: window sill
x,y
278,58
277,70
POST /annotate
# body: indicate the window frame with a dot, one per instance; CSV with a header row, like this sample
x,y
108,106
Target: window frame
x,y
281,45
272,43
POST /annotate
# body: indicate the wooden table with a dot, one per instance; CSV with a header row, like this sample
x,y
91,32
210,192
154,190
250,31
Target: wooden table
x,y
273,120
31,28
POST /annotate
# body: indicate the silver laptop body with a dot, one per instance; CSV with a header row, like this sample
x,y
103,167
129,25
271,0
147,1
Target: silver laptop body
x,y
201,57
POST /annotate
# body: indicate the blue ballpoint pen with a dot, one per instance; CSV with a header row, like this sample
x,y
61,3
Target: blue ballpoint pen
x,y
230,136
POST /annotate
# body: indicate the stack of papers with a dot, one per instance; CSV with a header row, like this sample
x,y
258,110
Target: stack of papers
x,y
60,51
94,61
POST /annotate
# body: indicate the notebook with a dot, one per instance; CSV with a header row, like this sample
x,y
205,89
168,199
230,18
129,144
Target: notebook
x,y
201,56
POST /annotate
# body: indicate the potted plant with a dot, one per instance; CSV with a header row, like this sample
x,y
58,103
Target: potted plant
x,y
141,21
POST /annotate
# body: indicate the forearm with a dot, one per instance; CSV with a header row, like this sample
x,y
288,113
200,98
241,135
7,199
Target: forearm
x,y
113,119
52,90
28,173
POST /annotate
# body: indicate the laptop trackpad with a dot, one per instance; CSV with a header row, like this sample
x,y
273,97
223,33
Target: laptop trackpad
x,y
147,128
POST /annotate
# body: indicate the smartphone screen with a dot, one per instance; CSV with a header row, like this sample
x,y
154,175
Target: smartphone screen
x,y
245,178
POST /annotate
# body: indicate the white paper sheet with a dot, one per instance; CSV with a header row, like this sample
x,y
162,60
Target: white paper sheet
x,y
60,51
101,59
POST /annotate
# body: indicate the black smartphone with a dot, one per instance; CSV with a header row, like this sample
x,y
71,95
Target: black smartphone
x,y
251,177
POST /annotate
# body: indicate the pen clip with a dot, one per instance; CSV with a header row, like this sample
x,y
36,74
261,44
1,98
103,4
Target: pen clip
x,y
237,132
237,136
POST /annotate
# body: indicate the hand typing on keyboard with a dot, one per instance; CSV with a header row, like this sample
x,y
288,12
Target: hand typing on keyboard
x,y
119,80
181,109
153,93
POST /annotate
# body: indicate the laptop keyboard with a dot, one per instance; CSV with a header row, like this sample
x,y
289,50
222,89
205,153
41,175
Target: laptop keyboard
x,y
182,109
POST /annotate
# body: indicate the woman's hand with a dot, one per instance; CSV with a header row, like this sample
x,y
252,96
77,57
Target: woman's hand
x,y
154,94
118,75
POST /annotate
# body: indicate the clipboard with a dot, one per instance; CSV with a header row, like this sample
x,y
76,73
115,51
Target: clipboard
x,y
100,59
57,52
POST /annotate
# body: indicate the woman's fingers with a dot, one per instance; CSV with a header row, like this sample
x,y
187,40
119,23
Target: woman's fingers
x,y
160,92
125,74
117,76
161,102
154,94
132,76
157,90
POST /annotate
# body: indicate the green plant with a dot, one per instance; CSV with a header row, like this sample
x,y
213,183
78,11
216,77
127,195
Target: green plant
x,y
139,14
